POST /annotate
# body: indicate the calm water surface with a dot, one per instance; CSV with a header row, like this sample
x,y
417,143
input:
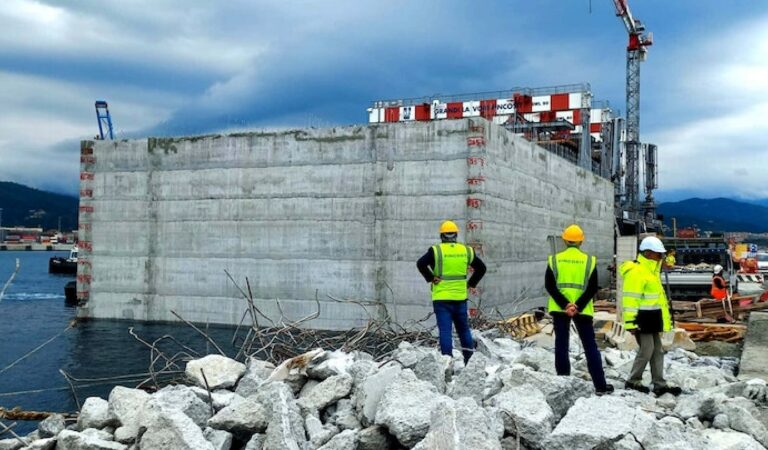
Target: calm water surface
x,y
33,311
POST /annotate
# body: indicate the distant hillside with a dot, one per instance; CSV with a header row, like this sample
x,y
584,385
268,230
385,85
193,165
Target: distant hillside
x,y
717,214
28,207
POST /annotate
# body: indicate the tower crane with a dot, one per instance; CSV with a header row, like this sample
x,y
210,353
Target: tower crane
x,y
637,50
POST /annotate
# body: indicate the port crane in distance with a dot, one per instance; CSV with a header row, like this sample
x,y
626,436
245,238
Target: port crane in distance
x,y
105,120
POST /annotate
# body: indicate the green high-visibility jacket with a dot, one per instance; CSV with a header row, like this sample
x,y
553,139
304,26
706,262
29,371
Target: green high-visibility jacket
x,y
572,269
451,263
645,306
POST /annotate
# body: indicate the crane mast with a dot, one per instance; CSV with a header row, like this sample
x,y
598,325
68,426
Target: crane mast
x,y
637,49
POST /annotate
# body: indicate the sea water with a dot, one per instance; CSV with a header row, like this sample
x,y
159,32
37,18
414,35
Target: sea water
x,y
33,311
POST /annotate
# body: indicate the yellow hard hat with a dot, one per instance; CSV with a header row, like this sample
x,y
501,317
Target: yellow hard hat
x,y
448,227
573,233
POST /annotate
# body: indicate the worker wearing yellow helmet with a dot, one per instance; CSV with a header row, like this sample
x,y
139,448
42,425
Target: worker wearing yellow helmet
x,y
446,266
571,281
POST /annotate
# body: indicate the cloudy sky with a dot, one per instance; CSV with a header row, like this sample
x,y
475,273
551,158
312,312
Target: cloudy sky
x,y
181,67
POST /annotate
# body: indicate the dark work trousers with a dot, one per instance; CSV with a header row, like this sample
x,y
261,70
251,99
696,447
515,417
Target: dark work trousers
x,y
562,324
650,351
453,312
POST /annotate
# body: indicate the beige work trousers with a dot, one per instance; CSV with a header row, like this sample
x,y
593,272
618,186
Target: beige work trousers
x,y
650,351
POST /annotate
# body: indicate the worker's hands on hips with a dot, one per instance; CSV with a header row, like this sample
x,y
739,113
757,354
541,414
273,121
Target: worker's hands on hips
x,y
571,310
436,280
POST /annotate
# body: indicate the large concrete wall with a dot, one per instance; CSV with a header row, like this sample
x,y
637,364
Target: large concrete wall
x,y
306,213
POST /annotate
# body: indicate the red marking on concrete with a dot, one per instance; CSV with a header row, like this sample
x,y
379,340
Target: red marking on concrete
x,y
85,279
86,175
85,245
477,141
474,202
474,225
88,159
86,192
475,161
86,209
86,151
475,180
83,295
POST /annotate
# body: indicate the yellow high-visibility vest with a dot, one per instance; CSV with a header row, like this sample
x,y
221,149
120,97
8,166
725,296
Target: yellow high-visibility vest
x,y
645,303
572,269
451,263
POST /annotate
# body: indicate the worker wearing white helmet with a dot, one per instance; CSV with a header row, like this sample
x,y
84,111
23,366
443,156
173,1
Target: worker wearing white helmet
x,y
718,290
646,314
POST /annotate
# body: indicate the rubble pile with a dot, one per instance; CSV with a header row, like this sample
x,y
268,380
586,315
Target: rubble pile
x,y
507,397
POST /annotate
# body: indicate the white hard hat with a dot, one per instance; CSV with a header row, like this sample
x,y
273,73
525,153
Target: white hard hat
x,y
653,244
717,269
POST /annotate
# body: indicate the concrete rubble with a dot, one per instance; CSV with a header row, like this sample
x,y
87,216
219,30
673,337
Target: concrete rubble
x,y
506,398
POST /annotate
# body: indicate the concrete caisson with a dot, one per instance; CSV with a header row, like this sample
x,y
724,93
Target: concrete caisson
x,y
307,213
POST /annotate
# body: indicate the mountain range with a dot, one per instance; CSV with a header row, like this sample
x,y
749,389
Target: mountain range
x,y
717,214
27,207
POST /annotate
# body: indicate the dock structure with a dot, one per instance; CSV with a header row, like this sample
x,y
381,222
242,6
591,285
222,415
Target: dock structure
x,y
306,213
753,363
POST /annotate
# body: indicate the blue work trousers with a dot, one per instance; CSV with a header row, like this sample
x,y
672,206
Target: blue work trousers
x,y
453,312
562,324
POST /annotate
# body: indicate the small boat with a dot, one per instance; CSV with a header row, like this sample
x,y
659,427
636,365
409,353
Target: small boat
x,y
70,293
64,265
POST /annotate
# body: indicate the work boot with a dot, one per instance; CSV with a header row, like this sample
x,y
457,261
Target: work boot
x,y
661,390
637,387
608,390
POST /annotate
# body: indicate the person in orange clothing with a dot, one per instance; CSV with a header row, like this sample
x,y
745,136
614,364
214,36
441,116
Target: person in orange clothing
x,y
718,291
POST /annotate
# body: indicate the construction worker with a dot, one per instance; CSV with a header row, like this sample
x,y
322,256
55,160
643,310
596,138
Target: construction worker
x,y
646,315
718,291
445,267
571,281
670,261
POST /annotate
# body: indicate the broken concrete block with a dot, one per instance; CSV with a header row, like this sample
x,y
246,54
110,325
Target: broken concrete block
x,y
471,381
459,425
598,421
72,440
372,388
432,368
561,392
375,438
346,440
220,371
526,413
185,400
126,406
256,372
219,439
171,429
328,391
244,416
51,426
406,407
286,428
94,414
